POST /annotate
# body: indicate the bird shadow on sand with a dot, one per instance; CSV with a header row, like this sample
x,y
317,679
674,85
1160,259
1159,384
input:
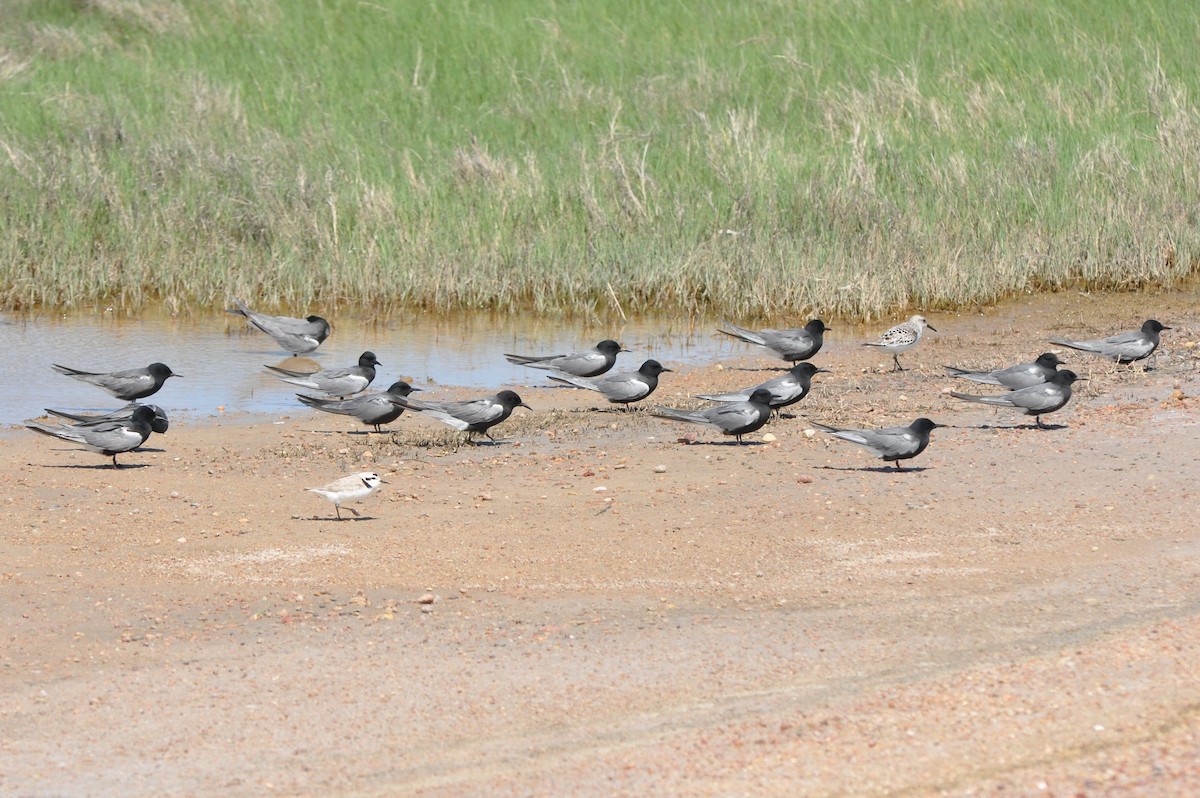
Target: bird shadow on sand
x,y
877,469
100,466
1047,427
687,442
333,518
757,368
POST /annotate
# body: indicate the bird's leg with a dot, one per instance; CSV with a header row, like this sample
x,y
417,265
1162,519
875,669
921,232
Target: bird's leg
x,y
115,464
357,514
897,367
337,508
1040,425
898,466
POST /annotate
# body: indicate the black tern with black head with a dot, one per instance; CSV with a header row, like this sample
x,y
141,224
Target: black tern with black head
x,y
1036,400
736,418
622,388
333,382
471,415
790,345
892,444
108,438
1024,375
298,336
128,385
785,390
588,363
373,409
1124,348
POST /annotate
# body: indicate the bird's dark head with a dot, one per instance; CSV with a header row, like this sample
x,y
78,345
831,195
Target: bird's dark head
x,y
924,426
761,396
1151,326
144,414
609,347
652,368
807,370
158,420
1066,377
368,360
401,388
510,399
160,371
815,326
323,324
1049,360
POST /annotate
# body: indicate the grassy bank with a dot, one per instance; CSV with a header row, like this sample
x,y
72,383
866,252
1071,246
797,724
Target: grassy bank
x,y
761,158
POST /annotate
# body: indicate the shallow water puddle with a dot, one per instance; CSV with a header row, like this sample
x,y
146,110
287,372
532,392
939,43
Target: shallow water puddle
x,y
221,358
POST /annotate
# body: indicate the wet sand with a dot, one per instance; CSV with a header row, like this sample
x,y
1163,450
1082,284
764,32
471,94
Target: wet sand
x,y
611,604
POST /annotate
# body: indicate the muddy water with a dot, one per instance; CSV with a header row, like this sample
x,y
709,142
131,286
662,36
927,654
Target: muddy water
x,y
221,357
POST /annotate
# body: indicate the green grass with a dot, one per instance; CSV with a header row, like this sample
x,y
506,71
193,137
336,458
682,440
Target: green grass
x,y
745,158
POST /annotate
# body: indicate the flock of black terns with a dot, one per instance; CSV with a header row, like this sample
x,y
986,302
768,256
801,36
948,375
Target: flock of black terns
x,y
1037,388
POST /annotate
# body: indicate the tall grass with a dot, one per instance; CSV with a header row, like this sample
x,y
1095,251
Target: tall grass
x,y
852,157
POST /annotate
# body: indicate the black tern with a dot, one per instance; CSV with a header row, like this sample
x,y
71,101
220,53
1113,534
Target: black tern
x,y
1036,400
588,363
128,385
892,444
785,390
108,438
297,336
1014,377
735,418
1124,348
160,423
621,388
902,337
790,345
373,409
334,382
353,488
470,415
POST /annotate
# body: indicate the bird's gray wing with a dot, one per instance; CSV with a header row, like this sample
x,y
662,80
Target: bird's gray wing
x,y
891,442
576,363
1039,397
624,387
475,411
732,416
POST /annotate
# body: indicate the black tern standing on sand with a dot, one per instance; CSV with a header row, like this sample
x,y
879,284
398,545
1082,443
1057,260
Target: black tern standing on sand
x,y
902,337
128,385
471,415
790,345
892,444
588,363
622,388
160,423
1124,348
1036,400
334,382
735,418
785,390
108,438
373,409
298,336
1014,377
